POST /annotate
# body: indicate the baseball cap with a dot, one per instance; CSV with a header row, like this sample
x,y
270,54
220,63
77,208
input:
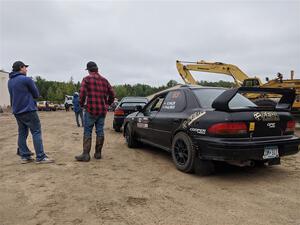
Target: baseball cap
x,y
18,65
91,65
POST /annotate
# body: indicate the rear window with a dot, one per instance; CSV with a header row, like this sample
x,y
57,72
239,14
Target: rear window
x,y
134,99
207,96
127,104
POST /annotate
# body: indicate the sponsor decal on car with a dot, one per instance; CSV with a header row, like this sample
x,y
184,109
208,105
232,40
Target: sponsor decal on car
x,y
142,122
142,125
252,126
198,130
271,125
169,105
266,116
192,118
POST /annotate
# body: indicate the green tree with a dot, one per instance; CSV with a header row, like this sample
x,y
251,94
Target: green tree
x,y
172,83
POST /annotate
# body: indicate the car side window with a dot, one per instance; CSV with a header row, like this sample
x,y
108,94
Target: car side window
x,y
175,102
155,105
158,104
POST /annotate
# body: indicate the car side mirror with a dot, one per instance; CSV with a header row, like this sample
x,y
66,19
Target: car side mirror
x,y
138,108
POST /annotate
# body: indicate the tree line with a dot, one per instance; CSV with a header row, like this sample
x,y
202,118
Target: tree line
x,y
55,91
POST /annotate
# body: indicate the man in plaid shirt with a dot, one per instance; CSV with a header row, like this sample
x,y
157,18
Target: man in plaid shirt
x,y
96,94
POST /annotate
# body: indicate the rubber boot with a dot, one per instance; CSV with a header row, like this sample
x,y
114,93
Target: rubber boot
x,y
85,156
98,147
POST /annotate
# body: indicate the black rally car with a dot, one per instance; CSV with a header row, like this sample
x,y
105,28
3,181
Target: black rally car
x,y
200,125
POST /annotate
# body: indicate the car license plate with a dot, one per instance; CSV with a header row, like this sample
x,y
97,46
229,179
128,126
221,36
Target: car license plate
x,y
271,152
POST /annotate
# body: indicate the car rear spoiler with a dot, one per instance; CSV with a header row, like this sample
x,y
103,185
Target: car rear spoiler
x,y
285,103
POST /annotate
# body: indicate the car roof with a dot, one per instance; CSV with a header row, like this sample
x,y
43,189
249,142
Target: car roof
x,y
191,87
183,87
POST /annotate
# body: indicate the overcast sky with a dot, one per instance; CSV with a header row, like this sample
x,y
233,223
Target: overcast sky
x,y
139,42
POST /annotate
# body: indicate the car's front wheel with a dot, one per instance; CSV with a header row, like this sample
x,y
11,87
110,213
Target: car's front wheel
x,y
129,137
185,156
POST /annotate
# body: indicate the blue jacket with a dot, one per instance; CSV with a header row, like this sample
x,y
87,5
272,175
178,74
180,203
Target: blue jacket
x,y
76,105
22,92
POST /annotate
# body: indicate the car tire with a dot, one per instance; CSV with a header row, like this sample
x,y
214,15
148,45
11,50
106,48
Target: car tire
x,y
129,137
185,156
117,129
183,153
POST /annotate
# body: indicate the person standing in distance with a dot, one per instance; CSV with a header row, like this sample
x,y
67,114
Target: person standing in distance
x,y
77,109
96,94
23,91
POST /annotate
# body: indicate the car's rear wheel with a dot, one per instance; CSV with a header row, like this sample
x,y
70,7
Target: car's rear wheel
x,y
185,156
183,153
116,128
129,137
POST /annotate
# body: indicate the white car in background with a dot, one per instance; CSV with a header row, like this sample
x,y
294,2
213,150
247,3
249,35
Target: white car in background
x,y
68,100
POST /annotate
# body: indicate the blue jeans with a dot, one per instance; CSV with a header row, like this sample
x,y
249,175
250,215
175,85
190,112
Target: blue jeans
x,y
90,121
26,121
77,114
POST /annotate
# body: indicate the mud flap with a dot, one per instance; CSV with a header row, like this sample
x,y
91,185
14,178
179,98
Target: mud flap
x,y
275,161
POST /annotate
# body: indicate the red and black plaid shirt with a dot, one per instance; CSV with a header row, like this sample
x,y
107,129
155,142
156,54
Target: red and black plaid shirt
x,y
96,94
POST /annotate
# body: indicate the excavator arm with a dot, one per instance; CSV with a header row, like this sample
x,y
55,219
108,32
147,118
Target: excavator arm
x,y
184,69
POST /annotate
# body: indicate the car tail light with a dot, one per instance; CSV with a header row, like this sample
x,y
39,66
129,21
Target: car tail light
x,y
234,128
290,126
119,112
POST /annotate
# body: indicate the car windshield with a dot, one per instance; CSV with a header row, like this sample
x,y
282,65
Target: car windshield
x,y
207,96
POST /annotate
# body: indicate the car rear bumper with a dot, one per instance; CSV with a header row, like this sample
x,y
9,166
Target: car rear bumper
x,y
226,150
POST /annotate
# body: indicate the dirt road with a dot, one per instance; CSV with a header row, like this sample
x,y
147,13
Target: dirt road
x,y
134,186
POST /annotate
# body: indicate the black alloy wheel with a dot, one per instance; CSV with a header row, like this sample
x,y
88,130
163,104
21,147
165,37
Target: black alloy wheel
x,y
181,152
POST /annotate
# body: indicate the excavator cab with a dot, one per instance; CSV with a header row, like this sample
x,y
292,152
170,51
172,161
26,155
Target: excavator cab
x,y
251,82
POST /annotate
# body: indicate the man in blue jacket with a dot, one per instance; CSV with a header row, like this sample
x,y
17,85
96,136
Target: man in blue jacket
x,y
22,92
77,109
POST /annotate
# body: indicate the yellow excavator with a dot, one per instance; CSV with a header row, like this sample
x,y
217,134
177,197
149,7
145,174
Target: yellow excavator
x,y
241,79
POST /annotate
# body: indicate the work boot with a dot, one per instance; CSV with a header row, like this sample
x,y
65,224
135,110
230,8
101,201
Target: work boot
x,y
98,147
85,156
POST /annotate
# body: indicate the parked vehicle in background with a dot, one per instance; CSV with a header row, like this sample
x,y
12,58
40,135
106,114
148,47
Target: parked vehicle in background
x,y
68,101
113,106
60,107
201,125
46,106
125,107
